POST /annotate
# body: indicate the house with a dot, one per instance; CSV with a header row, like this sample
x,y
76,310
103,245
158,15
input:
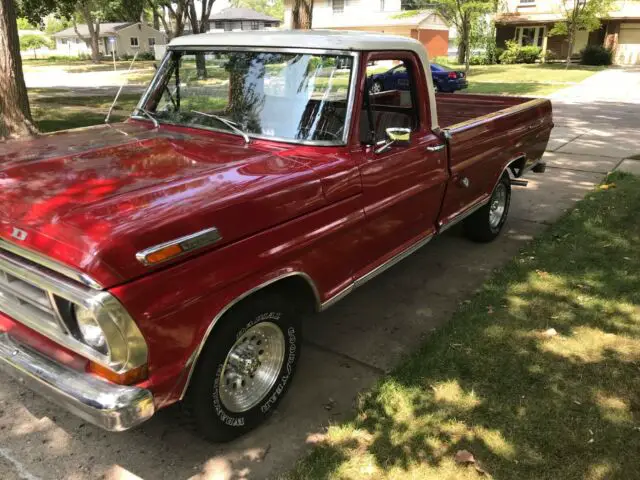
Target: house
x,y
125,38
528,22
241,19
397,17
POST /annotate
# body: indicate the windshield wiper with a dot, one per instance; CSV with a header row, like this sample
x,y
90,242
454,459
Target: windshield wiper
x,y
226,122
149,115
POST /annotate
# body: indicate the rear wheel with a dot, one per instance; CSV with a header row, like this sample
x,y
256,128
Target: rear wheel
x,y
485,224
245,368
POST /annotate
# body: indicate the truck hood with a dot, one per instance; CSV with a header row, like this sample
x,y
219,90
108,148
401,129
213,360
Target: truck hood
x,y
91,198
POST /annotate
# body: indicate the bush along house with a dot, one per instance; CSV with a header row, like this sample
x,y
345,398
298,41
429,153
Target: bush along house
x,y
529,22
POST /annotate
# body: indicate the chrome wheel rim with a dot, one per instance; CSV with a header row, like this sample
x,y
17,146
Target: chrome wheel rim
x,y
252,367
376,87
498,205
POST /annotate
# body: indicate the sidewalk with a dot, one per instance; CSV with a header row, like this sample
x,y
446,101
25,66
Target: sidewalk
x,y
353,343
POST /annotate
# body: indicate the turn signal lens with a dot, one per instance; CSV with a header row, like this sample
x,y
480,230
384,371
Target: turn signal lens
x,y
135,375
164,254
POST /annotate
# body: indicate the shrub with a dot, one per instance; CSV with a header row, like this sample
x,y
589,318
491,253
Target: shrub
x,y
514,53
146,56
478,60
529,54
498,52
597,55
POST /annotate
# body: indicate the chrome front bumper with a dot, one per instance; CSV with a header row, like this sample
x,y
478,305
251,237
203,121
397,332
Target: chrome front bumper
x,y
107,405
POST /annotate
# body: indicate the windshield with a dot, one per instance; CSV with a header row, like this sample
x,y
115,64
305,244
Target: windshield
x,y
287,96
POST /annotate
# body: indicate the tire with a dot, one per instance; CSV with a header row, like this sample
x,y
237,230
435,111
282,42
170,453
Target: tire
x,y
214,404
377,87
485,224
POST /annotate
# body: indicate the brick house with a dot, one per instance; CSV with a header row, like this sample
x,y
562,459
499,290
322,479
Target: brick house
x,y
528,22
396,17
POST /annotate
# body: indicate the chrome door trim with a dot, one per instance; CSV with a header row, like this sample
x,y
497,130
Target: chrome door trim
x,y
376,271
193,359
461,216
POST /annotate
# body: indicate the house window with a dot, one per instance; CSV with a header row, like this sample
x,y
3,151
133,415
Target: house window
x,y
152,42
77,41
527,36
338,6
134,42
63,41
527,2
255,25
219,25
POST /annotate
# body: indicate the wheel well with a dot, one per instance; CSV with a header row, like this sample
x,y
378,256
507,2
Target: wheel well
x,y
517,166
298,286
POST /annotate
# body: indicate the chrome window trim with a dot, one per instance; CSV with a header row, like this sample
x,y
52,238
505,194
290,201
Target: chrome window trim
x,y
193,359
212,233
50,264
355,71
127,345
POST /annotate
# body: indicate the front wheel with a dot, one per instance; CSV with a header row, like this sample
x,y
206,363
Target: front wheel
x,y
245,368
485,224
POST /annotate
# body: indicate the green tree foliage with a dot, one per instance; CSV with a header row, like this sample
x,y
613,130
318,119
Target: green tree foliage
x,y
24,24
33,41
273,8
54,25
462,14
580,15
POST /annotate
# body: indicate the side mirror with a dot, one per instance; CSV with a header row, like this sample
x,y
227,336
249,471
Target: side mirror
x,y
395,136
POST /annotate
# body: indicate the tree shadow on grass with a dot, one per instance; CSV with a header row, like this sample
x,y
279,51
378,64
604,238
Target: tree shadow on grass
x,y
527,401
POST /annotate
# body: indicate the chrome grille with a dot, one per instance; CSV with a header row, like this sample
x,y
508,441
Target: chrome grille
x,y
20,298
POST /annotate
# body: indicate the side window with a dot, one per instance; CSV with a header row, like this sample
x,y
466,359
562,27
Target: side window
x,y
390,99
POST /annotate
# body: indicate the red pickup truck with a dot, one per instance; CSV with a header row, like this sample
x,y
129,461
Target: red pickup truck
x,y
174,256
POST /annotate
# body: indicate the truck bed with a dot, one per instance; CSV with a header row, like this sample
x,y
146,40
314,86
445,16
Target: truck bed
x,y
455,108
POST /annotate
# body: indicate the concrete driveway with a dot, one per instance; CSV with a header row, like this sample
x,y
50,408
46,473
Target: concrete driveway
x,y
352,344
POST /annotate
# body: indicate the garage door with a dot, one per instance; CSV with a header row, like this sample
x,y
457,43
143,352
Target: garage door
x,y
629,44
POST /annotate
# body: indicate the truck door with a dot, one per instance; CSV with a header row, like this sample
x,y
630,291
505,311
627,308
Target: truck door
x,y
403,182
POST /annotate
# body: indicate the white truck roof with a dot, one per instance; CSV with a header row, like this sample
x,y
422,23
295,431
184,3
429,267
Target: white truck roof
x,y
315,39
320,39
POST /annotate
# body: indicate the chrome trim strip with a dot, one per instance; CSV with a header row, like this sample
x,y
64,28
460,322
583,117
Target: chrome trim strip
x,y
319,143
258,48
107,405
193,359
376,271
461,216
50,264
189,243
126,344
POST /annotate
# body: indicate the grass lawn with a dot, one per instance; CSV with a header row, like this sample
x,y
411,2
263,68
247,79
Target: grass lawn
x,y
534,79
528,402
55,111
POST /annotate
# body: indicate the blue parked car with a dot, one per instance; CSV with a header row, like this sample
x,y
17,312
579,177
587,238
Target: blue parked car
x,y
396,78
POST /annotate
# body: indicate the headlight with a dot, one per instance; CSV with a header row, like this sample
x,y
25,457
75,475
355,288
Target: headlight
x,y
90,330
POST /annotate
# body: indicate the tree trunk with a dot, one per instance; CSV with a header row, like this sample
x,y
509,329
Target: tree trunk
x,y
15,115
156,19
302,14
94,32
571,42
462,43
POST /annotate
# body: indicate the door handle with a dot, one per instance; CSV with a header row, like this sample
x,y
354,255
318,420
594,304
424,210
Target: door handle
x,y
435,148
